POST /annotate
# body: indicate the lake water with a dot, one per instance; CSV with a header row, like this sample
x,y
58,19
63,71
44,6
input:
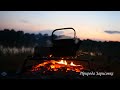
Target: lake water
x,y
15,50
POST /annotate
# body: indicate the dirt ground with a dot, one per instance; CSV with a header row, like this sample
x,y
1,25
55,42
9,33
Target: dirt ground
x,y
10,64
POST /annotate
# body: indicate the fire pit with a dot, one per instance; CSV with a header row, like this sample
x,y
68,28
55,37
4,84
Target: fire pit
x,y
55,63
54,68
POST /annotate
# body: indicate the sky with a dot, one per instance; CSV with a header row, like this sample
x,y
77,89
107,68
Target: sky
x,y
95,25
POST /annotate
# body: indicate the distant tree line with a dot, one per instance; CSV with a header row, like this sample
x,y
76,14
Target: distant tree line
x,y
109,48
13,38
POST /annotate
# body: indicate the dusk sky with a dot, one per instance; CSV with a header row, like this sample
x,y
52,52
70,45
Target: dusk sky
x,y
95,25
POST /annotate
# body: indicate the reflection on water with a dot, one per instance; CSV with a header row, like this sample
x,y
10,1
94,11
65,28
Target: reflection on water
x,y
16,50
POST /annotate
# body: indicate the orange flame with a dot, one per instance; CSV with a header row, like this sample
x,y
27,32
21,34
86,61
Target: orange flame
x,y
53,65
50,55
72,64
62,62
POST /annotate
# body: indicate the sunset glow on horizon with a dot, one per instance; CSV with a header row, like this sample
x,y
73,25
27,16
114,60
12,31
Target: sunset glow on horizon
x,y
95,25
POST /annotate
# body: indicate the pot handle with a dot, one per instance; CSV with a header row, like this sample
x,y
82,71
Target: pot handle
x,y
64,29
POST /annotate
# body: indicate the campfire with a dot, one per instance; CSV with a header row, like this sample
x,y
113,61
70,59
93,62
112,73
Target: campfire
x,y
54,68
52,62
59,65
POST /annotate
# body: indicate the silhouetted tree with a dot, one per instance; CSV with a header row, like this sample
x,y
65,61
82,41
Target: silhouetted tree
x,y
13,38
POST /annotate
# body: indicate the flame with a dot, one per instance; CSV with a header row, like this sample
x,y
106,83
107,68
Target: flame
x,y
50,55
72,64
62,62
53,65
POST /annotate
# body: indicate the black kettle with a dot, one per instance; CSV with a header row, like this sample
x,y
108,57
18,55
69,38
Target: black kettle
x,y
64,47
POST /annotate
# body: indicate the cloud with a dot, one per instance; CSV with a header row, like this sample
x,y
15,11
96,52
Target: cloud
x,y
112,32
24,21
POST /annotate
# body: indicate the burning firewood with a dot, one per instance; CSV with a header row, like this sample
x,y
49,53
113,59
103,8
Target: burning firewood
x,y
55,66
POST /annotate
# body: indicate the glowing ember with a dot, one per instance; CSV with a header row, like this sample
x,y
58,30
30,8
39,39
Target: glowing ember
x,y
53,65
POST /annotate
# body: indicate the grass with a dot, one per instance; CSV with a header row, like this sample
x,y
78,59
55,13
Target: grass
x,y
105,64
12,58
11,63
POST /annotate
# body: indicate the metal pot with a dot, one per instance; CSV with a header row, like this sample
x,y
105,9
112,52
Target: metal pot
x,y
65,47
